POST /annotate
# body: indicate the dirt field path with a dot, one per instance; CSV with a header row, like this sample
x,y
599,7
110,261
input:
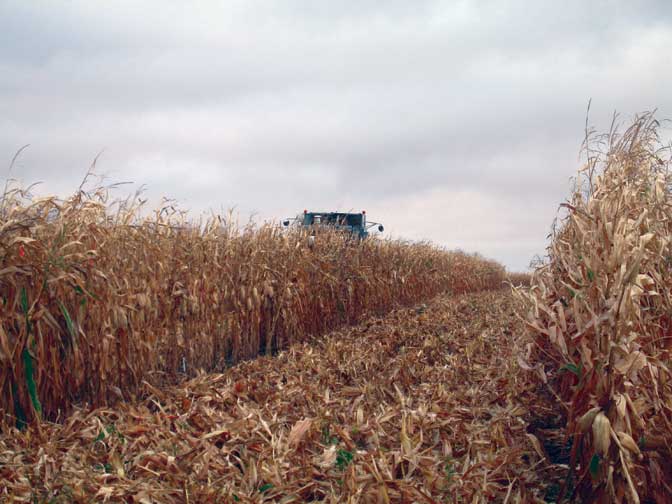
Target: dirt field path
x,y
424,405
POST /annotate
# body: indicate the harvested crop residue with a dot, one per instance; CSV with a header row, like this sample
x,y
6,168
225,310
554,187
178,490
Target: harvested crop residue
x,y
424,405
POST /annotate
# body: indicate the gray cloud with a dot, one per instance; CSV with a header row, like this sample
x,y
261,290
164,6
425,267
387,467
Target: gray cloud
x,y
458,122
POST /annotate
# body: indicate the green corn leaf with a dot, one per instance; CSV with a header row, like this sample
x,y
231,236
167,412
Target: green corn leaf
x,y
572,368
594,465
68,322
343,459
30,381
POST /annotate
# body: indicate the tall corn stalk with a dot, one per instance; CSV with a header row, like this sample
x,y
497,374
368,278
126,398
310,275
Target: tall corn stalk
x,y
600,317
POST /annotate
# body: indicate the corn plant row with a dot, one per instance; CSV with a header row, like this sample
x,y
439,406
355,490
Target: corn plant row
x,y
97,297
600,315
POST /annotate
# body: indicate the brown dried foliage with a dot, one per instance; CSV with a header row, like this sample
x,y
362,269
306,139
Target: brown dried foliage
x,y
517,279
425,405
96,299
600,317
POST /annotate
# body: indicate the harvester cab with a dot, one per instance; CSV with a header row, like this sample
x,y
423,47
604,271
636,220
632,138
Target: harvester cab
x,y
353,223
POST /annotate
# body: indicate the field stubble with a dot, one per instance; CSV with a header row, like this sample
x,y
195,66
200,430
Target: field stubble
x,y
423,405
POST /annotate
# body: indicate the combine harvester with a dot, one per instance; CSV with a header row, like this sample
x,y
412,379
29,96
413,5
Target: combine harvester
x,y
353,223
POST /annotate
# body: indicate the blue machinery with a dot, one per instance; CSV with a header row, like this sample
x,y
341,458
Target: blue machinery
x,y
354,223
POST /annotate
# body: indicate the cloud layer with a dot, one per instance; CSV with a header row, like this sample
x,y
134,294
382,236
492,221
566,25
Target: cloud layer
x,y
458,122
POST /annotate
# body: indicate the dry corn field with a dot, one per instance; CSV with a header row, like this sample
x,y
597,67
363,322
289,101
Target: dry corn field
x,y
149,359
97,299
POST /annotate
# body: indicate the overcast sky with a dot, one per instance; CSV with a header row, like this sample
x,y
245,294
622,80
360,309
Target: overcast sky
x,y
458,122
